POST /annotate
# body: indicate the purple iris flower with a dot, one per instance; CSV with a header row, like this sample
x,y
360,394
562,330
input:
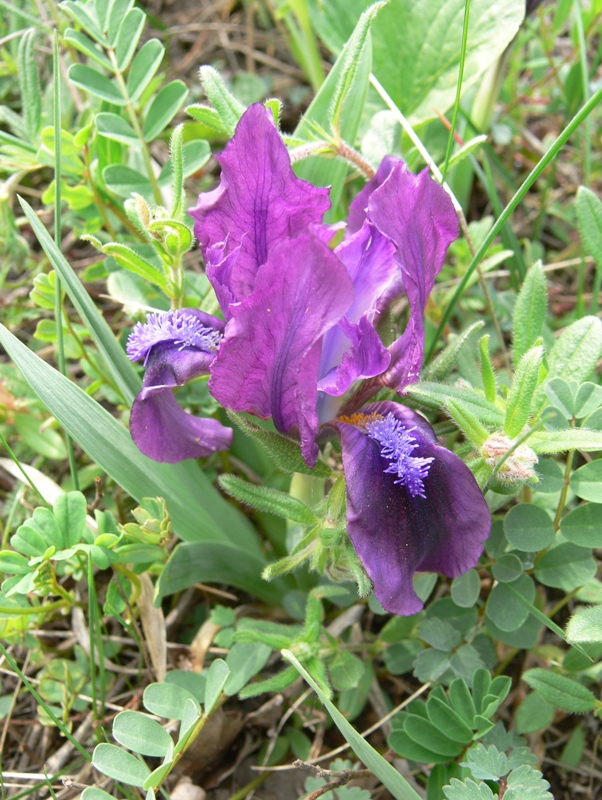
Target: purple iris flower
x,y
418,217
176,347
301,332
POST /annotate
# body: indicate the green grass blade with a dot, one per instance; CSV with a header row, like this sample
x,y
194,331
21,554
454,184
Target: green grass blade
x,y
385,772
93,621
198,511
58,223
26,476
484,173
550,154
303,43
122,369
545,620
353,50
332,172
450,140
15,667
587,160
18,12
29,84
587,137
58,227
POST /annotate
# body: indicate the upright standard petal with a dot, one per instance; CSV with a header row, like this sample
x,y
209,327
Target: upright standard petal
x,y
418,216
268,361
176,347
258,203
359,207
358,216
352,350
370,261
411,504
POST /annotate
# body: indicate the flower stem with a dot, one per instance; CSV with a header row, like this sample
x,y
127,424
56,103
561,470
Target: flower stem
x,y
565,489
351,155
450,140
310,491
58,301
44,609
340,149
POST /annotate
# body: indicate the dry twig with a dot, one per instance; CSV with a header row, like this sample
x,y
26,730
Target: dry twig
x,y
333,779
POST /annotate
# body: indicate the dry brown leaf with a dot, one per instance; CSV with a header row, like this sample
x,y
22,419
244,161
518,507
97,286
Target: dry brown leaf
x,y
153,625
201,643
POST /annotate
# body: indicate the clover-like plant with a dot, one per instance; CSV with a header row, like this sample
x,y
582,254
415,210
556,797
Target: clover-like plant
x,y
139,735
440,729
64,542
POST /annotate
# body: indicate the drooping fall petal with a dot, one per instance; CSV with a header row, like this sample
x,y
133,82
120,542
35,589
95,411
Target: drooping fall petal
x,y
361,354
412,505
176,347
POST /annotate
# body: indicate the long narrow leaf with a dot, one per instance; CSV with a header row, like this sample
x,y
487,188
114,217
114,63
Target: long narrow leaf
x,y
29,83
18,12
385,772
122,369
450,138
353,51
198,512
321,171
215,562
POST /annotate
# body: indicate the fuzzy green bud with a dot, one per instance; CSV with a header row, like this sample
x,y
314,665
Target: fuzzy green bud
x,y
519,461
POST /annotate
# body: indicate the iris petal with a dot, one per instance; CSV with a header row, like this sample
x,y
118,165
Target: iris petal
x,y
396,532
361,354
259,203
417,215
165,432
370,260
359,207
352,350
176,347
268,362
